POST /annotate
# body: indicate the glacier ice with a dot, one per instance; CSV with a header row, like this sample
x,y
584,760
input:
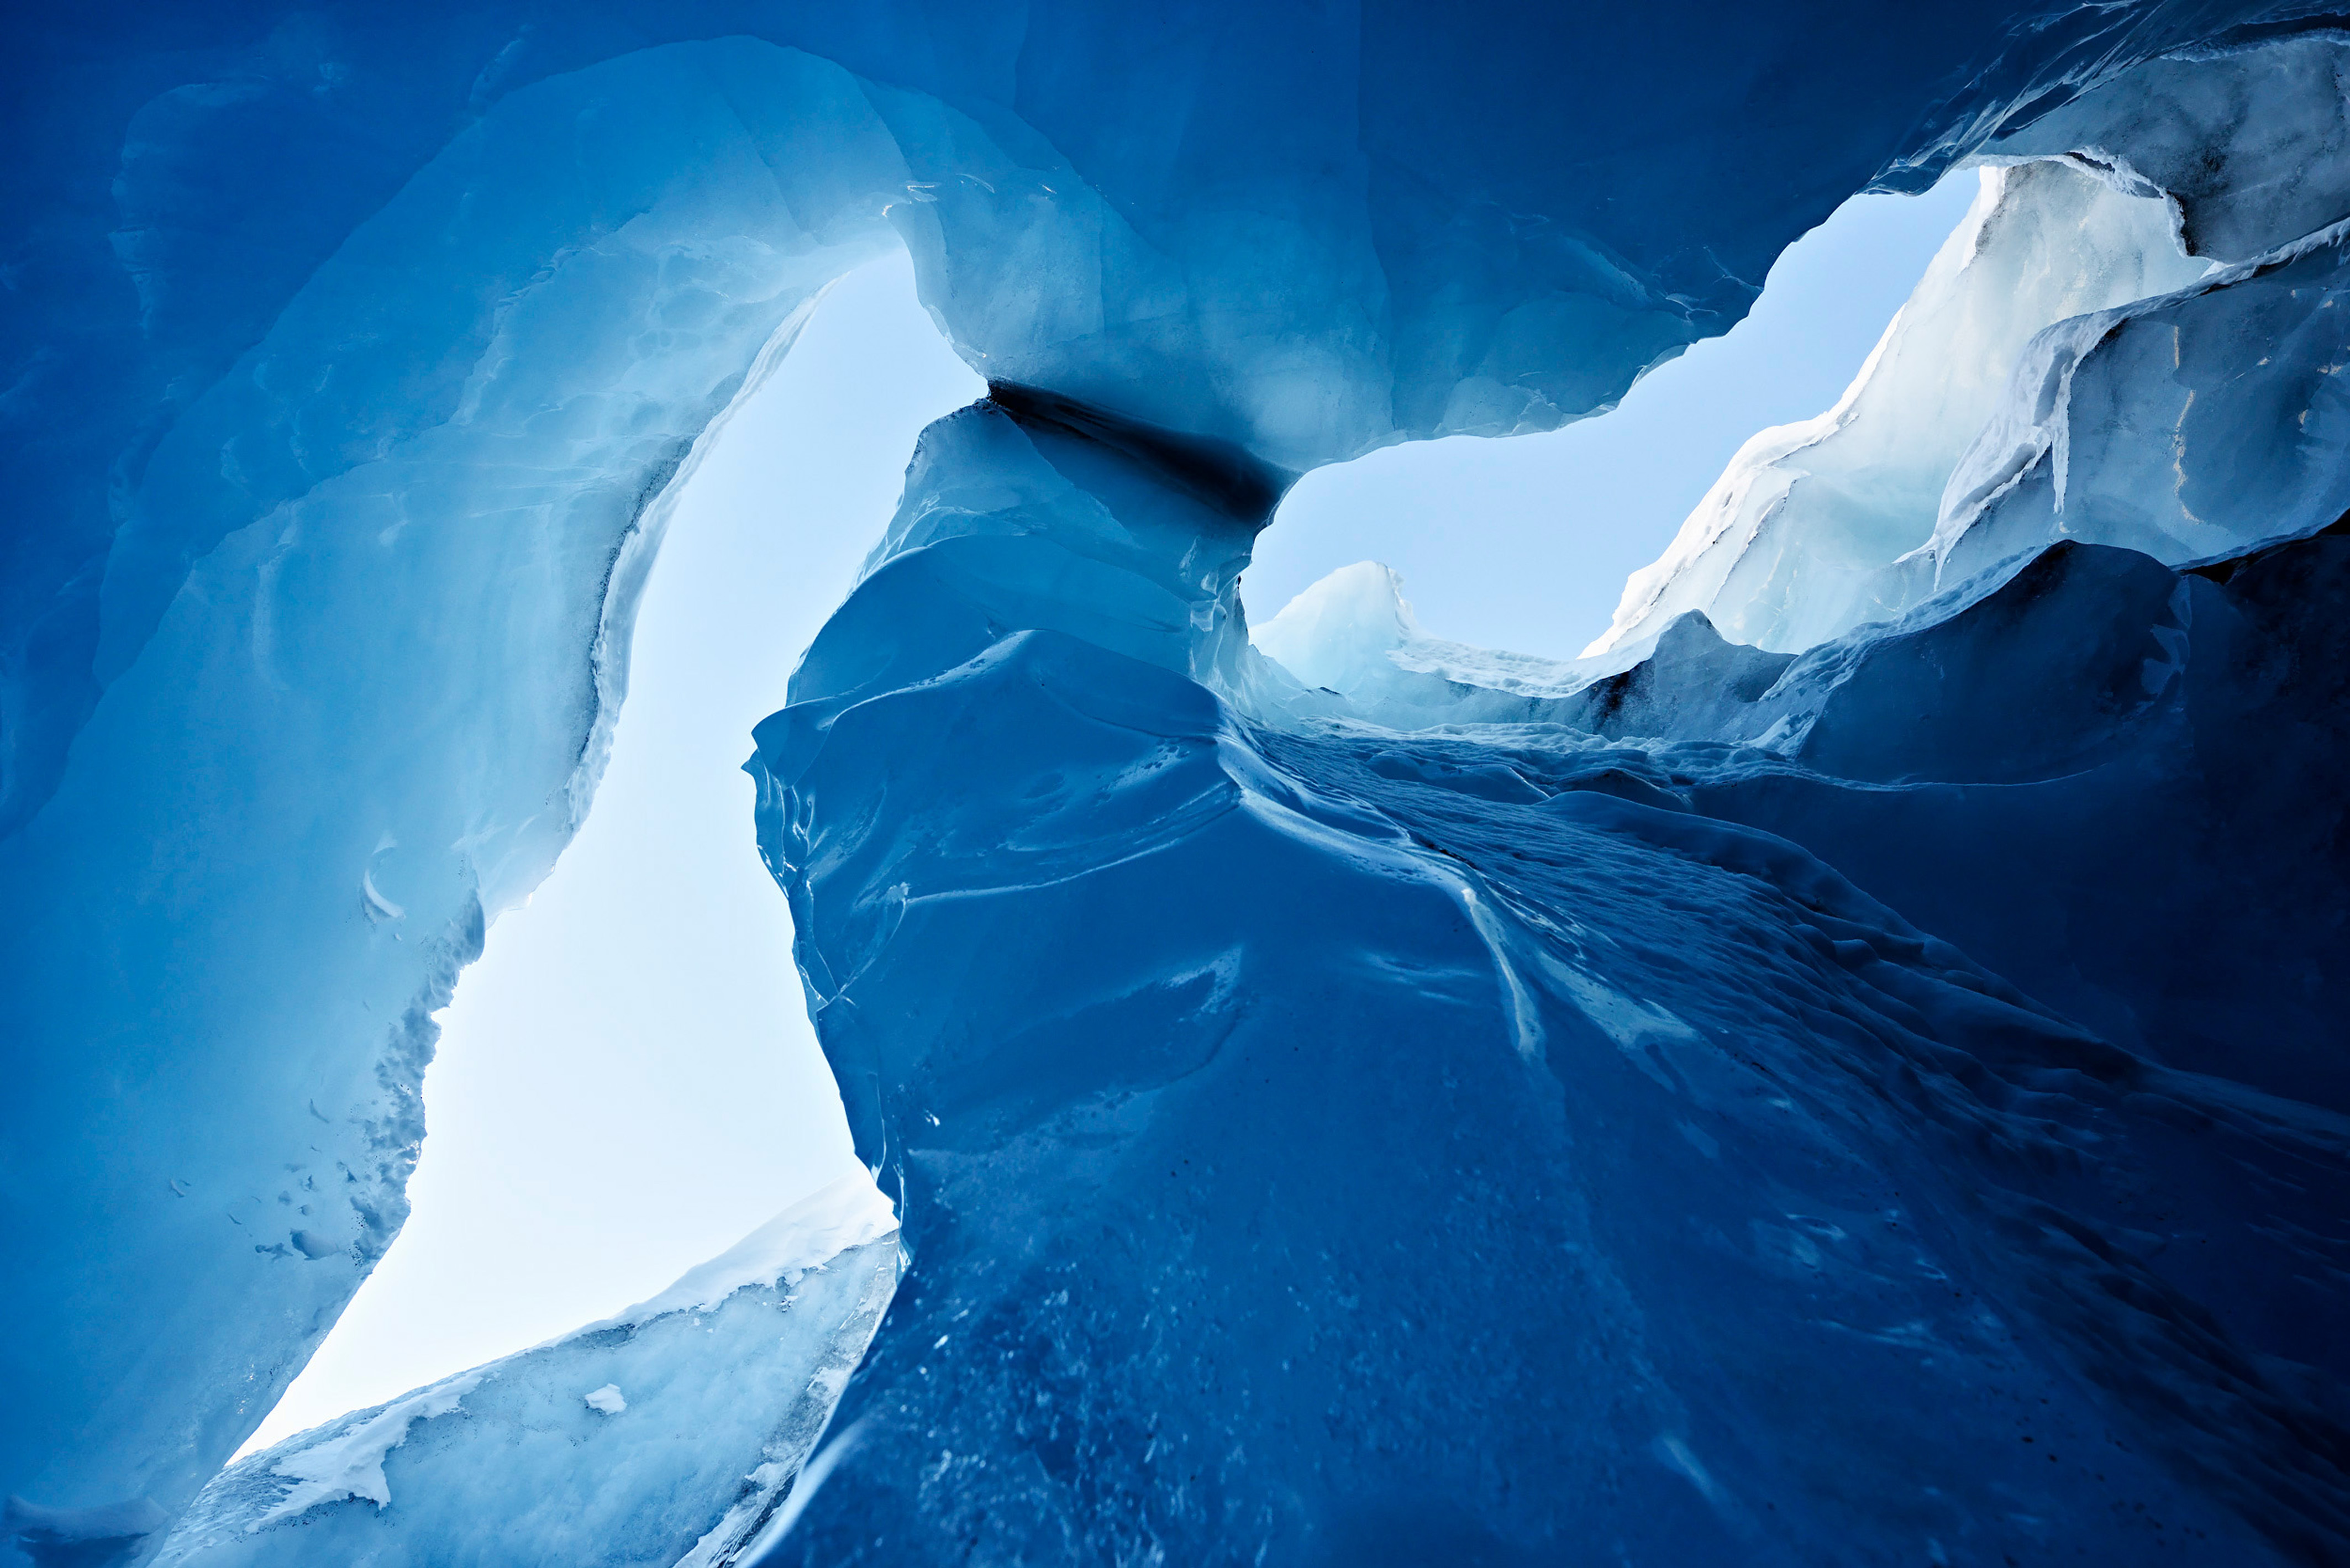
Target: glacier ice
x,y
2252,452
378,605
1353,634
1847,1071
2248,146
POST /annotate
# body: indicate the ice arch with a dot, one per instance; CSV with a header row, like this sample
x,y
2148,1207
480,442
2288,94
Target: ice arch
x,y
336,482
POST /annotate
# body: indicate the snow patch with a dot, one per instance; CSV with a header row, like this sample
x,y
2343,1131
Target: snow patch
x,y
828,1222
351,1463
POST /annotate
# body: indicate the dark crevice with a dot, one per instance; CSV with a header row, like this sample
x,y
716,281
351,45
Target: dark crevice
x,y
1219,473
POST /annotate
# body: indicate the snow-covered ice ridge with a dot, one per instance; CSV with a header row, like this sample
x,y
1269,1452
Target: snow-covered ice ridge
x,y
1847,1071
608,1445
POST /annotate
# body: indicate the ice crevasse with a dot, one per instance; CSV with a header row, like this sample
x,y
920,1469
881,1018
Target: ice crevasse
x,y
1847,1071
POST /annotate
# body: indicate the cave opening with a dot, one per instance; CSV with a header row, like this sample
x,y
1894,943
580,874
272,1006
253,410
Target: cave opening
x,y
1560,519
628,1080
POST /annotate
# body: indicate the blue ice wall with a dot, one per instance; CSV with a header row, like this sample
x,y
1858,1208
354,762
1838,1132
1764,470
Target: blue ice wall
x,y
1322,1143
366,626
351,350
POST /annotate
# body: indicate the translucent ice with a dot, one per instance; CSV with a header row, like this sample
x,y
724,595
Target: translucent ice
x,y
1353,635
2144,427
2078,363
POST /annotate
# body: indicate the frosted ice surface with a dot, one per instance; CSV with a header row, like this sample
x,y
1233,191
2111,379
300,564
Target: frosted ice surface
x,y
349,1464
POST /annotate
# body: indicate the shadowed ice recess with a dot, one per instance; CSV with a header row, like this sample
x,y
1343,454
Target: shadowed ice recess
x,y
1846,1070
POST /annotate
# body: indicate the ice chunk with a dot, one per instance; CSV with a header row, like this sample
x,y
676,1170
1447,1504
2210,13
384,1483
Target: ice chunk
x,y
1352,639
2065,370
1353,635
2145,427
735,1371
1339,632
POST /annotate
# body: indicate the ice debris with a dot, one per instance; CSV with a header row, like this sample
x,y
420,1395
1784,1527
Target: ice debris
x,y
348,1461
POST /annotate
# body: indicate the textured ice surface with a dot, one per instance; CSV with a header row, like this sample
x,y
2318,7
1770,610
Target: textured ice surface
x,y
543,1458
368,618
1192,1008
2144,426
2250,146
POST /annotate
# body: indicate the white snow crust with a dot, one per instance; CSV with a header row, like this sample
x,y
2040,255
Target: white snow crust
x,y
350,1462
842,1214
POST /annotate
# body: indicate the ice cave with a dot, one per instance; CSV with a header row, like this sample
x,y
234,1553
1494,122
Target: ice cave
x,y
1849,1069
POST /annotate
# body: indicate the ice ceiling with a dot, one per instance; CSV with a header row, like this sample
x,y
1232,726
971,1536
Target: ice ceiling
x,y
1847,1071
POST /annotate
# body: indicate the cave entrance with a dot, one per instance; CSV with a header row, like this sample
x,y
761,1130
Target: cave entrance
x,y
1559,520
627,1081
